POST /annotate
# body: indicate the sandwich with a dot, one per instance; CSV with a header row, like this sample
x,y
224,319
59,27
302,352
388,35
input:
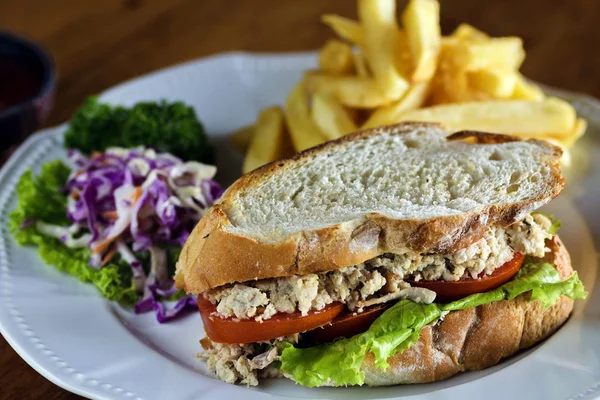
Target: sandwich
x,y
401,254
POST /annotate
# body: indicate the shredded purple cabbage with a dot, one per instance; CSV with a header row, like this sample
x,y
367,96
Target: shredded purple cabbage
x,y
137,200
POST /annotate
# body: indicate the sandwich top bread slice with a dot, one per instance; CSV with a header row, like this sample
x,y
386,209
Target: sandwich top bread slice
x,y
386,190
391,250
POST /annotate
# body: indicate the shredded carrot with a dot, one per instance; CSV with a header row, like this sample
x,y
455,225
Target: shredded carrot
x,y
75,195
137,193
109,255
111,215
95,154
102,246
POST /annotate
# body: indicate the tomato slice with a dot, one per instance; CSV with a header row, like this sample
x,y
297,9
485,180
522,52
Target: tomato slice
x,y
347,324
332,322
233,330
454,290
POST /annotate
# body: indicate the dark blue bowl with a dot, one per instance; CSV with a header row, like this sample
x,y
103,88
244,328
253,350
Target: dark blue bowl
x,y
27,76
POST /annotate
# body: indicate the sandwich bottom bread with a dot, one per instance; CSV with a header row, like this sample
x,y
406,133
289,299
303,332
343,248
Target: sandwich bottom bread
x,y
478,337
396,255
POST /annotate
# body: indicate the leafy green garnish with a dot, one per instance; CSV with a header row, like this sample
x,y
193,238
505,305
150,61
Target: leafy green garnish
x,y
40,198
167,127
545,284
398,328
111,279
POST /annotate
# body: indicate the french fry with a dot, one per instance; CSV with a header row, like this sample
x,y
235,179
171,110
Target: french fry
x,y
404,63
454,85
378,18
360,64
336,58
450,83
345,28
378,74
414,98
241,138
506,53
577,132
351,91
526,118
331,117
566,159
270,141
438,94
303,130
421,20
495,82
524,90
469,32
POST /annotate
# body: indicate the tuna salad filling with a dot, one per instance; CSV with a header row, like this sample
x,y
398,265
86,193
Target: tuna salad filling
x,y
243,363
381,279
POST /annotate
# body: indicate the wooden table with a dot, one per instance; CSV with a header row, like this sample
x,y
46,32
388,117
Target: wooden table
x,y
99,44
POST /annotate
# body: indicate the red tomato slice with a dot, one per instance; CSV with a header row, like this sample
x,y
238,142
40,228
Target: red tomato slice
x,y
347,324
454,290
331,322
231,330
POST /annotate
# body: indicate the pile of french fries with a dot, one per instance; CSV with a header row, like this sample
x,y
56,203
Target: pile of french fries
x,y
378,73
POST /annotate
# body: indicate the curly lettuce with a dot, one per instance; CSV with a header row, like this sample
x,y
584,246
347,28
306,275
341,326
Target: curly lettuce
x,y
40,198
398,328
168,127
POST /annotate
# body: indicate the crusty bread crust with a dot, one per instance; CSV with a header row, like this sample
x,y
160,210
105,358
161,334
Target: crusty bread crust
x,y
477,338
214,255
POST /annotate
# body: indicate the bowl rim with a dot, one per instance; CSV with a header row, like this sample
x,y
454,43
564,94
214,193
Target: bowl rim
x,y
48,69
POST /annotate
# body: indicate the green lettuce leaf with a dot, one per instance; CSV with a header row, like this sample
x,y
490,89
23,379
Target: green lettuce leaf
x,y
398,328
337,362
41,198
545,284
113,280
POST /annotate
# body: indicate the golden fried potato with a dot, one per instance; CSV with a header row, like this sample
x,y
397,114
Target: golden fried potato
x,y
505,53
345,28
519,117
524,90
351,91
453,86
331,117
378,73
421,20
303,130
496,82
360,64
571,137
404,62
414,98
378,19
270,141
468,32
336,58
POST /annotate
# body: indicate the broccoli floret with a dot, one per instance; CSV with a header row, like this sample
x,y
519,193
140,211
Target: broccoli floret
x,y
167,127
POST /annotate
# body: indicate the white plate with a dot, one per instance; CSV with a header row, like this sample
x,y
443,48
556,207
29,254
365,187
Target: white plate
x,y
79,341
